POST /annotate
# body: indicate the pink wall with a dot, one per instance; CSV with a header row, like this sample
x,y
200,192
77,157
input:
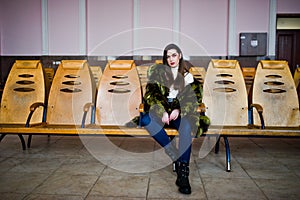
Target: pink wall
x,y
251,16
288,6
109,27
206,23
202,25
63,21
21,32
155,23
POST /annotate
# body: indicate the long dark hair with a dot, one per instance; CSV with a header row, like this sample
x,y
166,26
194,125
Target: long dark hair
x,y
179,81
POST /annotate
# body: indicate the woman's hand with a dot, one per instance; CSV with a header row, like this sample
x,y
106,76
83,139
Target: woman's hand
x,y
174,114
165,118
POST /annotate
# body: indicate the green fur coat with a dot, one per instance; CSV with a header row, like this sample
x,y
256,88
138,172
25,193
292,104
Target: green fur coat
x,y
187,101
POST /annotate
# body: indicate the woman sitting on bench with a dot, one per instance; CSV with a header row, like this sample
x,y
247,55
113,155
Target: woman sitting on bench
x,y
171,99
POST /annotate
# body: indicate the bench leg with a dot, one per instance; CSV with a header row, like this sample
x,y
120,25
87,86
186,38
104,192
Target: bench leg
x,y
217,147
2,136
227,148
29,141
21,138
22,141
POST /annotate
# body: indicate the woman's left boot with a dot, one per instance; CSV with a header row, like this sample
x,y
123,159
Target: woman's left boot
x,y
182,180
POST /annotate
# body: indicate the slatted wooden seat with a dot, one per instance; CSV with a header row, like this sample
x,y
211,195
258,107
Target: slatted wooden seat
x,y
73,86
119,93
297,82
225,98
225,94
24,86
49,73
297,77
143,75
97,73
274,89
249,74
198,73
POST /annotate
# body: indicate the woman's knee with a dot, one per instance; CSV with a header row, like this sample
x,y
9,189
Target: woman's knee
x,y
146,119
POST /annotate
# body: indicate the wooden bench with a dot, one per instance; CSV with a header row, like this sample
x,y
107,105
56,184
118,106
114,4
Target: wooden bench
x,y
119,93
25,86
297,82
225,81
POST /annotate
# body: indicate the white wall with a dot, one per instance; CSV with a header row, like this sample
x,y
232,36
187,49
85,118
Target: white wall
x,y
130,27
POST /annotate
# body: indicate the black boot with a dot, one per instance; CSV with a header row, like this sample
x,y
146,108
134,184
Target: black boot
x,y
172,152
182,180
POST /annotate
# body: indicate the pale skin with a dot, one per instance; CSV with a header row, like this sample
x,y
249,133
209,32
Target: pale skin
x,y
173,58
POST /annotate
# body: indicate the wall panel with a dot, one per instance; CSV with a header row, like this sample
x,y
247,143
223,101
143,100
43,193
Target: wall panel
x,y
251,16
20,27
109,25
206,23
288,6
155,27
63,27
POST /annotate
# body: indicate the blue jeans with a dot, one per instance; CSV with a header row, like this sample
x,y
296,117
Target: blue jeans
x,y
155,127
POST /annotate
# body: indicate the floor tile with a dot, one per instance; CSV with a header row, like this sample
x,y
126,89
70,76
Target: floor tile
x,y
280,188
66,184
121,186
20,182
130,168
233,189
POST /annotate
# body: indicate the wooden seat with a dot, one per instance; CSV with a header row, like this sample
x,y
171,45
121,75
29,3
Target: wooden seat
x,y
224,94
49,73
249,74
274,89
297,77
198,73
143,75
297,82
97,73
119,93
25,85
73,86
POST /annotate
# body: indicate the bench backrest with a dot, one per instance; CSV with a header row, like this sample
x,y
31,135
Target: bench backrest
x,y
73,86
143,75
224,94
119,93
297,77
198,73
274,89
24,86
297,82
249,74
97,73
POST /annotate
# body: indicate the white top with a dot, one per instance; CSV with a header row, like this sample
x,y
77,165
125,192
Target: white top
x,y
188,78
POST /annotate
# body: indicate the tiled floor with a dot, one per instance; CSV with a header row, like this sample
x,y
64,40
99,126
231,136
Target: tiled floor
x,y
64,167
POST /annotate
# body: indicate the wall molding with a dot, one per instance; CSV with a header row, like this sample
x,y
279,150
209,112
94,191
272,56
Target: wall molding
x,y
82,27
232,39
136,24
272,28
45,31
176,21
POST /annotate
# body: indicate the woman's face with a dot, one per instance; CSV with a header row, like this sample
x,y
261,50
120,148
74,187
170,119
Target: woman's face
x,y
173,57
